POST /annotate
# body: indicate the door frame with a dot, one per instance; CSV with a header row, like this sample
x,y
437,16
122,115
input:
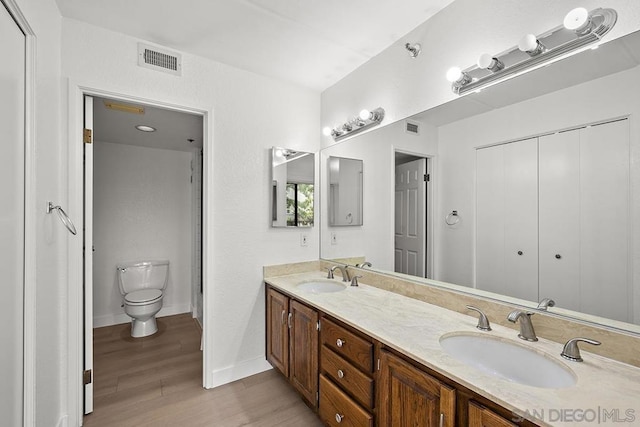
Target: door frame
x,y
30,217
429,201
75,319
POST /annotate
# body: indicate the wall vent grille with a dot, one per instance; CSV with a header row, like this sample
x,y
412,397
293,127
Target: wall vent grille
x,y
161,60
412,127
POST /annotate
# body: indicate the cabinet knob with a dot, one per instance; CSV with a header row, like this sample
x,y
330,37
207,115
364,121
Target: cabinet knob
x,y
340,342
339,418
520,252
340,373
558,256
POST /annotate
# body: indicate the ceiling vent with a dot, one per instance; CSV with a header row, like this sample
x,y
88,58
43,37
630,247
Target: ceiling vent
x,y
412,127
160,60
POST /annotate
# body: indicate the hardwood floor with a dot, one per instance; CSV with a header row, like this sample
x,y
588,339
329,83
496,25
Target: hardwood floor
x,y
157,381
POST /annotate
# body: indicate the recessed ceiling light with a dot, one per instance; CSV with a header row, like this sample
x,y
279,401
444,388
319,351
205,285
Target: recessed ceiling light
x,y
145,128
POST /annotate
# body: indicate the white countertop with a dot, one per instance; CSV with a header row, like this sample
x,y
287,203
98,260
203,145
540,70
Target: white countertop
x,y
607,392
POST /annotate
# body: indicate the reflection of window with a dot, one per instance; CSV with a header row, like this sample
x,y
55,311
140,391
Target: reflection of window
x,y
299,205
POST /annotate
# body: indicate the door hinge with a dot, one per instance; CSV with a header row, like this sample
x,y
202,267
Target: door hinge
x,y
87,136
427,177
87,377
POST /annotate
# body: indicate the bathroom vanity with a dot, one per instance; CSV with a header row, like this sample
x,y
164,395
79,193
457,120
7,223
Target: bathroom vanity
x,y
363,356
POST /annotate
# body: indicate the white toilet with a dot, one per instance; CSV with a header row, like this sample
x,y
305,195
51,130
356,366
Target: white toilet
x,y
142,285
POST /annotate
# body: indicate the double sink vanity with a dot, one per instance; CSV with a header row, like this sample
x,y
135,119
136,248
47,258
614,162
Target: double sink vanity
x,y
364,356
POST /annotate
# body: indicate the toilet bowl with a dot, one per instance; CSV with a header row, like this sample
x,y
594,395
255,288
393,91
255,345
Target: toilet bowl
x,y
142,286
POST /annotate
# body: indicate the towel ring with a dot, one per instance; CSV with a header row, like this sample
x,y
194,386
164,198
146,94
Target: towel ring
x,y
63,217
452,218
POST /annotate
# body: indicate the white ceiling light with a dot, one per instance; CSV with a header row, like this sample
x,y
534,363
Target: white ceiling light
x,y
145,128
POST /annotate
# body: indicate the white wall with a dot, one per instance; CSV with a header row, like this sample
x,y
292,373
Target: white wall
x,y
250,114
556,111
142,211
457,35
374,239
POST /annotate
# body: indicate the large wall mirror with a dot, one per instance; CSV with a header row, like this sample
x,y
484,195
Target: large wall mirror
x,y
543,173
292,188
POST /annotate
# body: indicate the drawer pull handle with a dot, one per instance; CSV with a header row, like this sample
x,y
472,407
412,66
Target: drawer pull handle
x,y
339,418
441,420
340,373
340,342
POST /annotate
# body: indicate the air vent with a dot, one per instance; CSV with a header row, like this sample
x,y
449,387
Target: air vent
x,y
412,127
161,60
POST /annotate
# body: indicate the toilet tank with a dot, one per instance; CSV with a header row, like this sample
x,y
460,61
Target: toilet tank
x,y
138,275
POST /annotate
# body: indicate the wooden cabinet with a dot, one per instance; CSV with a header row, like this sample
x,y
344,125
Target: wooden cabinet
x,y
408,396
292,343
479,416
346,380
303,350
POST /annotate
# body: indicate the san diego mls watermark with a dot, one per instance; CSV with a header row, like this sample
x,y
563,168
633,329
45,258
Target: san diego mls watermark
x,y
598,415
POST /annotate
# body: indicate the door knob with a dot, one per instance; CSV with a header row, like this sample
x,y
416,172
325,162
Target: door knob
x,y
558,256
520,252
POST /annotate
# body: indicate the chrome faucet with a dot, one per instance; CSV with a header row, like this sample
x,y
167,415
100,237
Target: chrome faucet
x,y
545,303
364,264
343,270
330,272
483,321
354,280
526,327
571,351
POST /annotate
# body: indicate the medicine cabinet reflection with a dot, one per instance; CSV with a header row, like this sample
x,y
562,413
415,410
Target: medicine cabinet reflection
x,y
345,191
292,188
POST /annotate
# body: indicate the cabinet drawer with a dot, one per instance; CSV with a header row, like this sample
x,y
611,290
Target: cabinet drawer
x,y
338,409
347,376
347,344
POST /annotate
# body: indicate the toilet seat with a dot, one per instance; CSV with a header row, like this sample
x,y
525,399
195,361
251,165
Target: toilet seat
x,y
143,297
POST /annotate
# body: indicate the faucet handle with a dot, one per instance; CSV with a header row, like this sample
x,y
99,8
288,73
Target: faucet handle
x,y
571,351
354,280
330,272
545,303
483,321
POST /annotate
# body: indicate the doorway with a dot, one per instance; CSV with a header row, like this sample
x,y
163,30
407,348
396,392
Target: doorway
x,y
412,238
195,241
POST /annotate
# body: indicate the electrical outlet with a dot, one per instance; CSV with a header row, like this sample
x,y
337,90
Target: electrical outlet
x,y
304,239
334,238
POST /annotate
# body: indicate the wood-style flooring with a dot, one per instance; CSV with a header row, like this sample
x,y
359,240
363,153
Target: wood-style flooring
x,y
157,381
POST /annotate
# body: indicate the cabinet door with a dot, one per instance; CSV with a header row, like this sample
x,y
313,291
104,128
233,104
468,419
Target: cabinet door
x,y
482,417
303,353
409,397
278,331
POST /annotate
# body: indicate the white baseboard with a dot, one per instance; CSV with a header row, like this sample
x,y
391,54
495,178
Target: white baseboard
x,y
237,372
118,318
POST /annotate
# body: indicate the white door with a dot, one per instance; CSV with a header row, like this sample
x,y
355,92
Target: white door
x,y
12,190
507,219
410,221
559,177
88,258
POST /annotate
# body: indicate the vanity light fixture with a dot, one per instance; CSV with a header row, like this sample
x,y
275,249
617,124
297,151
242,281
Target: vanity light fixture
x,y
414,49
145,128
579,30
364,120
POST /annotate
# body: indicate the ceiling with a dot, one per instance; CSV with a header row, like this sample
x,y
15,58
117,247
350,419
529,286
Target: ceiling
x,y
174,129
309,43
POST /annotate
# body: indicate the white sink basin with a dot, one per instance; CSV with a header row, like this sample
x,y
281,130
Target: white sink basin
x,y
507,360
321,286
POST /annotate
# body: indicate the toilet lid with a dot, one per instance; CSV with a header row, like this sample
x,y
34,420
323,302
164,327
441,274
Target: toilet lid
x,y
144,295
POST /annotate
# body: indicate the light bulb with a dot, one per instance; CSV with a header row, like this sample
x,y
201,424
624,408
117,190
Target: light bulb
x,y
454,74
528,43
365,115
576,18
326,131
490,63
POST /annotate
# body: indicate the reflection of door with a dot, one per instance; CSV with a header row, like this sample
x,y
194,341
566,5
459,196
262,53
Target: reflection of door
x,y
410,233
12,230
88,259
